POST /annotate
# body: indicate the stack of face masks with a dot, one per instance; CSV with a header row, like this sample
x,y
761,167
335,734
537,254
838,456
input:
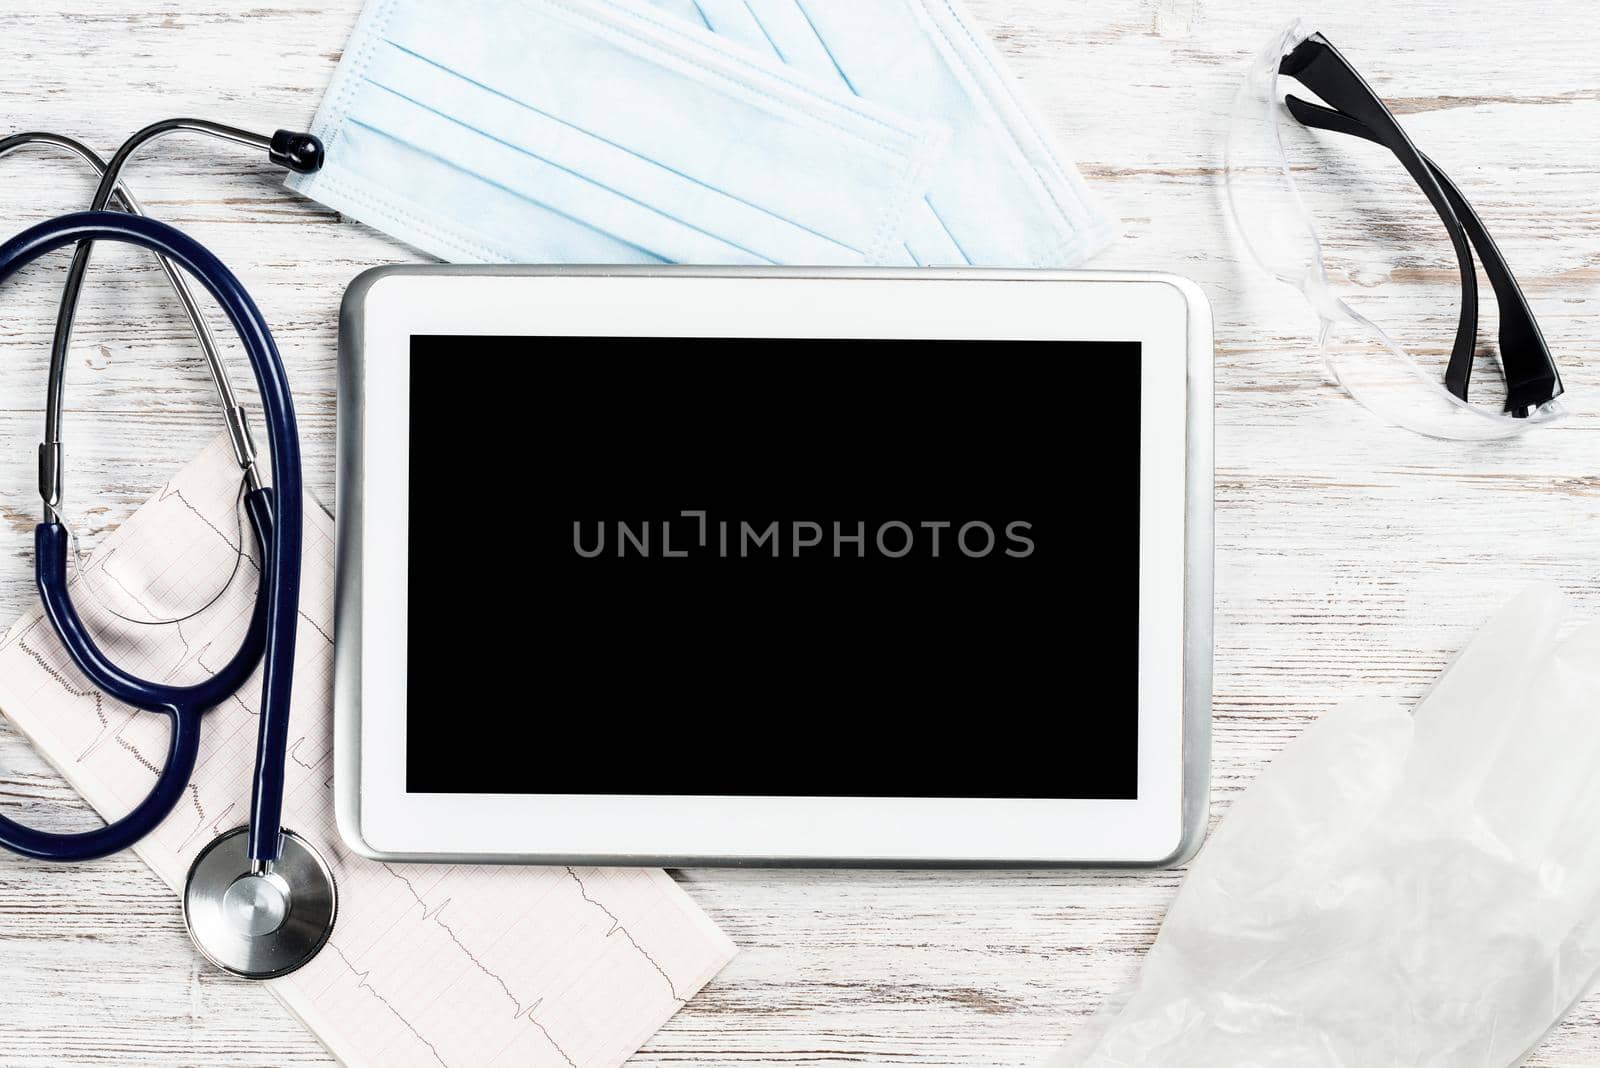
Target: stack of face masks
x,y
694,131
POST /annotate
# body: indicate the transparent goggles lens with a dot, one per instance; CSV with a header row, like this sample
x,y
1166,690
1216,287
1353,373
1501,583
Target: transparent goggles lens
x,y
1385,232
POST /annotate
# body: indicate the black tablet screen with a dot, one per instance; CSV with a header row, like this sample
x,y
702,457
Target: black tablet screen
x,y
785,567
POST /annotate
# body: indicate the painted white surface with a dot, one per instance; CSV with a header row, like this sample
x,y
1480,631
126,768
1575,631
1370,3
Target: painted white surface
x,y
1350,558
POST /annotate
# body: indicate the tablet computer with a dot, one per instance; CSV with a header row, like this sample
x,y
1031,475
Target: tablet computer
x,y
784,566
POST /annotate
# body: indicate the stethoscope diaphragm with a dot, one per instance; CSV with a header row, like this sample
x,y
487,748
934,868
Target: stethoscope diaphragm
x,y
256,923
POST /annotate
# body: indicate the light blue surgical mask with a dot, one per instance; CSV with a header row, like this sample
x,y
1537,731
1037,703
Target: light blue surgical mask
x,y
1003,195
593,131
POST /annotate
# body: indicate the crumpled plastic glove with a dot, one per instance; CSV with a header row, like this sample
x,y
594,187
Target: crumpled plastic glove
x,y
1418,889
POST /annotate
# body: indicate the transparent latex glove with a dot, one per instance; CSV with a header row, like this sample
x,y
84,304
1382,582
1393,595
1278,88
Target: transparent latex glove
x,y
1397,888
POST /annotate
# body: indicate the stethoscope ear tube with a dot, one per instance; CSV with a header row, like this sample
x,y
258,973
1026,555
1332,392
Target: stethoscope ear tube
x,y
280,565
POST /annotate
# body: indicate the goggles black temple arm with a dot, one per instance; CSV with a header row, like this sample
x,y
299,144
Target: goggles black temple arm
x,y
1320,67
1530,371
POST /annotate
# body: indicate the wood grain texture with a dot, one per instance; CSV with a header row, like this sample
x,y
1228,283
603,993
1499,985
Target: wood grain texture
x,y
1350,558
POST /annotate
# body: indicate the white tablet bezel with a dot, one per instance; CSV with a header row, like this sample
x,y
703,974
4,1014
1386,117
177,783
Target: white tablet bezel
x,y
386,308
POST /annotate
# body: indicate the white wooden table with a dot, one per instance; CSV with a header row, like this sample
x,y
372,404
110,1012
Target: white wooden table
x,y
1350,558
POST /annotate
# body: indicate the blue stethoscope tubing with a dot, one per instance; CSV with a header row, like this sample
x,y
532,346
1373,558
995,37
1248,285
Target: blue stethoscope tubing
x,y
275,515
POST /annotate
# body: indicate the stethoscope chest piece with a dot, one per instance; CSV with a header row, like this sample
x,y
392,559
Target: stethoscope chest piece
x,y
256,923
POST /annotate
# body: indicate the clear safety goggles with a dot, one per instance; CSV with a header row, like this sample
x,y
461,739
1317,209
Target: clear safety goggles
x,y
1414,378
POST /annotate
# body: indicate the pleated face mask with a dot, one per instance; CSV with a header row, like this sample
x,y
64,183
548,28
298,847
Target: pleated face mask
x,y
545,131
1003,195
619,131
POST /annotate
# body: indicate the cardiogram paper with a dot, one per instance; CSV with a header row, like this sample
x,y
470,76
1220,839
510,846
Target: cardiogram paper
x,y
454,965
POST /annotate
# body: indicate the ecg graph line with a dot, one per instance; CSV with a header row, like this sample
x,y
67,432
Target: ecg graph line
x,y
101,561
540,992
294,755
171,490
363,982
618,928
436,914
71,688
200,812
550,1039
317,627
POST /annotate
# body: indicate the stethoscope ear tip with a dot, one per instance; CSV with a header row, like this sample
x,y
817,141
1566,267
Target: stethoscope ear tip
x,y
299,152
259,924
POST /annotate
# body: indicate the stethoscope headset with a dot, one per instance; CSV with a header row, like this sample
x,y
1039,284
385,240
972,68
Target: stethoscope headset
x,y
259,900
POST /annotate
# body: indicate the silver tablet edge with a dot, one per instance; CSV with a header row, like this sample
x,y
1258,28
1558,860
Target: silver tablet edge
x,y
1198,566
350,409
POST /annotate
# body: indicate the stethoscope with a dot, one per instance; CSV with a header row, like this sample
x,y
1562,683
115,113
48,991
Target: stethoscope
x,y
259,901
